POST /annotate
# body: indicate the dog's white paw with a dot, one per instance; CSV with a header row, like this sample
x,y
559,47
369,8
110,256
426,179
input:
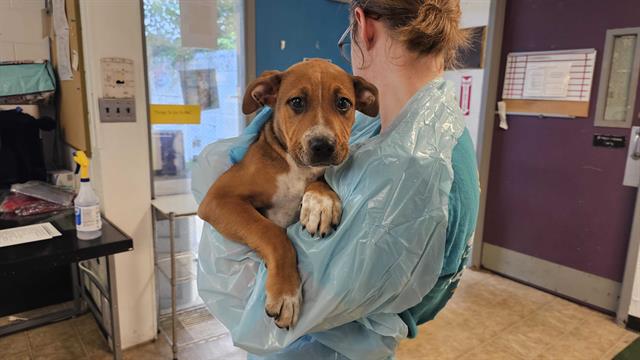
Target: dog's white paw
x,y
320,212
284,309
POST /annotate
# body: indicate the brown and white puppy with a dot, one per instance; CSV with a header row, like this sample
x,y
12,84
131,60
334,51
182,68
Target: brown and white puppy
x,y
280,179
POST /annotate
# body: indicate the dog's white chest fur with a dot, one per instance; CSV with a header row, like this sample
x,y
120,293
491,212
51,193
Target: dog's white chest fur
x,y
288,196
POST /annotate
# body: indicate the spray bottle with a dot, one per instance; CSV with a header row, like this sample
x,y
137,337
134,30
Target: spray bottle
x,y
87,205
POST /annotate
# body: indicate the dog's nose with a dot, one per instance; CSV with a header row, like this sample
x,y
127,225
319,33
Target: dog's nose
x,y
321,149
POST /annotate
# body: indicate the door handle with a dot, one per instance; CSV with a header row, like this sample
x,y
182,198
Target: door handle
x,y
635,154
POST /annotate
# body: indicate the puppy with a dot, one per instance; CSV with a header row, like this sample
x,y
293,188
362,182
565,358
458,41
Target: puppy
x,y
280,179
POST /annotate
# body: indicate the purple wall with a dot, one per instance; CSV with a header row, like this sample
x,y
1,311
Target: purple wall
x,y
551,194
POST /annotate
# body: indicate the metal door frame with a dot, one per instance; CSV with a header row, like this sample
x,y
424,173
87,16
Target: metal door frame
x,y
487,122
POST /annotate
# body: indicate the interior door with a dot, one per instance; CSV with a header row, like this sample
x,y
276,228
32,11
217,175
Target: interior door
x,y
557,214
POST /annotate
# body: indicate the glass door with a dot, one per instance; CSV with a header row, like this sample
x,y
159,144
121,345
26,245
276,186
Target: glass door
x,y
195,57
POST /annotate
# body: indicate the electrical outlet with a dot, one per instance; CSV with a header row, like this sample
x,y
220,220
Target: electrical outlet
x,y
117,110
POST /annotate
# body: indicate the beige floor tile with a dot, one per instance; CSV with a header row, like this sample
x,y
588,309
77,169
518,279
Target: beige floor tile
x,y
526,339
509,287
84,324
520,305
599,335
407,352
69,349
626,340
487,317
13,344
562,315
491,351
493,321
586,341
155,350
19,356
95,344
566,355
474,275
441,340
50,334
495,318
479,296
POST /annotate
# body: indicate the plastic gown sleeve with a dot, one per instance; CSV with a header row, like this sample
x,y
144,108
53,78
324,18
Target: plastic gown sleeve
x,y
385,255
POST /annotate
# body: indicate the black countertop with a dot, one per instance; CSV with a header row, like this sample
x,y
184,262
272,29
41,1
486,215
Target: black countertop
x,y
59,250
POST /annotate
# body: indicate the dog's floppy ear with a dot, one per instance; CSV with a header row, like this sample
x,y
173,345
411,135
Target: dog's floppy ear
x,y
366,96
262,91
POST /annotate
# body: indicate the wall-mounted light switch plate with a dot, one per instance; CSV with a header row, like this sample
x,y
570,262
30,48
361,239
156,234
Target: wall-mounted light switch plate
x,y
117,109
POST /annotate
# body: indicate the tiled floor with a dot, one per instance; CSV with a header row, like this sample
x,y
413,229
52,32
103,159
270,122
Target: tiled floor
x,y
489,317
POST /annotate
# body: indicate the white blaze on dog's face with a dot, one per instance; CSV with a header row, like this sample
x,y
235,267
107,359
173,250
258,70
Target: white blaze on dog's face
x,y
314,103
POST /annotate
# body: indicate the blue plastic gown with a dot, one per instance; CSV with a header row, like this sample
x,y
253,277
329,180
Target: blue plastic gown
x,y
385,256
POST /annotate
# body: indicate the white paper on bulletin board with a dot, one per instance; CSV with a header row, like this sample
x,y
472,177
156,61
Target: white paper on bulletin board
x,y
564,75
547,80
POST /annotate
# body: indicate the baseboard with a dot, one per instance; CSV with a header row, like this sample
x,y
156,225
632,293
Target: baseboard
x,y
578,285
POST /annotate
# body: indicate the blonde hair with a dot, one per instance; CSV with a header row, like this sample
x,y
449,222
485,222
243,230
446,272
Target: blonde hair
x,y
425,27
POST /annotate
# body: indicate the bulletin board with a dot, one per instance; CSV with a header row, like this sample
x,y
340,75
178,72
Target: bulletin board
x,y
549,83
72,101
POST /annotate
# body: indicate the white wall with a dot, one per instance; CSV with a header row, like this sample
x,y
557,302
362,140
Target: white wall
x,y
474,13
120,163
21,31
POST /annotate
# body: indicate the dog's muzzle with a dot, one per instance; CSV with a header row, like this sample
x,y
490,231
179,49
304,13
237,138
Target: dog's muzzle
x,y
321,151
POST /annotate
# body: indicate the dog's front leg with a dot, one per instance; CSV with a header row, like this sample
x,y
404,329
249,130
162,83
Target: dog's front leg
x,y
321,208
237,220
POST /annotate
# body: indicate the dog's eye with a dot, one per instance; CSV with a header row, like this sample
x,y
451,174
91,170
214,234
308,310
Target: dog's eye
x,y
297,104
343,104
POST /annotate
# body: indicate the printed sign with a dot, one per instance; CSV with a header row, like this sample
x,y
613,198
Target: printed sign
x,y
174,114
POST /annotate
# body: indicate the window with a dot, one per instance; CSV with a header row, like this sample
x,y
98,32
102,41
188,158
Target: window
x,y
618,78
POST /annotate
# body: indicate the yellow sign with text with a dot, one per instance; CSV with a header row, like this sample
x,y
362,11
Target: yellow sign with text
x,y
174,114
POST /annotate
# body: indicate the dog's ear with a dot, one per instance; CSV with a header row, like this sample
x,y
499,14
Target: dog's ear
x,y
262,91
366,96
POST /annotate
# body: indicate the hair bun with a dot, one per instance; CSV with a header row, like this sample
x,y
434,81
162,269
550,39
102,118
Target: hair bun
x,y
436,30
431,6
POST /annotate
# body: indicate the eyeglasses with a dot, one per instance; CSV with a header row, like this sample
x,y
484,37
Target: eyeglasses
x,y
344,44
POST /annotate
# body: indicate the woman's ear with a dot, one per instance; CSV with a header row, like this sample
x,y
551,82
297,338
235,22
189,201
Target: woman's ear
x,y
365,29
262,91
366,96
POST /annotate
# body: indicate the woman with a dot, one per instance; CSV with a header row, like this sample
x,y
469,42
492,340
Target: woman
x,y
410,195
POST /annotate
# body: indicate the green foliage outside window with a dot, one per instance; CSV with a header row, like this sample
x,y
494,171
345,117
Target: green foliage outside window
x,y
162,26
